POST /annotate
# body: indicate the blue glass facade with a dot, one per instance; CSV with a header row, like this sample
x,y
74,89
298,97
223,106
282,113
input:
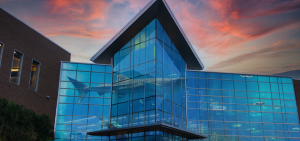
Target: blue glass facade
x,y
84,101
241,107
148,83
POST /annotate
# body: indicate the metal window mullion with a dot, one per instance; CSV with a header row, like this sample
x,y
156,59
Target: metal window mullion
x,y
145,73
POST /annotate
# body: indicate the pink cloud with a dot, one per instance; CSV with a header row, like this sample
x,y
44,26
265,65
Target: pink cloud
x,y
221,29
78,9
218,33
279,42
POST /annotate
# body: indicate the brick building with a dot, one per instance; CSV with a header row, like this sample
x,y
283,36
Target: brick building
x,y
29,66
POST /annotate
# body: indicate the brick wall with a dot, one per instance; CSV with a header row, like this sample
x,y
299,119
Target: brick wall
x,y
16,35
297,93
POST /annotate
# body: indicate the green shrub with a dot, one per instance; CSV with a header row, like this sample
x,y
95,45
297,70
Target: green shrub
x,y
19,124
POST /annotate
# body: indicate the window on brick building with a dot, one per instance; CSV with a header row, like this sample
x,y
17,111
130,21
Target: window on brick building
x,y
34,75
1,51
16,67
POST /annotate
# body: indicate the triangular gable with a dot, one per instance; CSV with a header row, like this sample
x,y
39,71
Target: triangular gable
x,y
154,9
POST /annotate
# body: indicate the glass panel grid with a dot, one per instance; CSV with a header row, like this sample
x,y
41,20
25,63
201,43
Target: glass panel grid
x,y
84,100
153,82
241,108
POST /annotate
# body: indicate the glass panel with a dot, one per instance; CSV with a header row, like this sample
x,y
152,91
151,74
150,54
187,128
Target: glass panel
x,y
159,30
97,77
239,77
65,109
150,30
69,66
16,67
167,39
159,50
252,86
264,87
98,68
192,74
214,84
167,53
68,75
288,88
192,83
227,85
287,80
84,67
240,85
214,75
83,76
251,78
150,103
35,68
263,78
150,50
226,76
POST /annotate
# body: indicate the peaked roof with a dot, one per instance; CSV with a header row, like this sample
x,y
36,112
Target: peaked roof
x,y
154,9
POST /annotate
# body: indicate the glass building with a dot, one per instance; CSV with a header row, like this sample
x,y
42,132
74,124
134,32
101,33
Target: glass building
x,y
148,81
84,100
242,107
147,84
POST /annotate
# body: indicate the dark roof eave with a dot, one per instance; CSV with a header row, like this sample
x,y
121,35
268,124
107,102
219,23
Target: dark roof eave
x,y
154,9
150,127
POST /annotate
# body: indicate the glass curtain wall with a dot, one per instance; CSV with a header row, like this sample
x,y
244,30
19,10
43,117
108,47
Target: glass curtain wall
x,y
242,107
148,81
84,101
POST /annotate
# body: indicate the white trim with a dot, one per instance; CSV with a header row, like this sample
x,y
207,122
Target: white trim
x,y
59,80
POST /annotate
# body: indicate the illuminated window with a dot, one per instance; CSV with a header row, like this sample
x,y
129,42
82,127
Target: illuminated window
x,y
1,51
34,75
16,67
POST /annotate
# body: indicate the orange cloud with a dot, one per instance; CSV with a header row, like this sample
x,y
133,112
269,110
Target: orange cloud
x,y
278,42
78,9
220,29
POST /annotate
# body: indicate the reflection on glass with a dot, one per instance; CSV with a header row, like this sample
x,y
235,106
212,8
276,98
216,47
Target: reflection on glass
x,y
16,67
244,107
149,71
35,68
84,100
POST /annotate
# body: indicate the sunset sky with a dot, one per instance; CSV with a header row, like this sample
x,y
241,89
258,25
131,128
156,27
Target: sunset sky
x,y
238,36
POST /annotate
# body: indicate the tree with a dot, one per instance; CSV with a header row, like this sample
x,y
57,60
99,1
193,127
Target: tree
x,y
18,123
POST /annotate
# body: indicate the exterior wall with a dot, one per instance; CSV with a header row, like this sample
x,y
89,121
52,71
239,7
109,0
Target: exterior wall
x,y
241,107
297,93
84,101
16,35
149,84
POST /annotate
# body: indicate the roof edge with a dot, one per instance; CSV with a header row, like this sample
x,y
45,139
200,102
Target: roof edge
x,y
94,57
183,34
36,31
154,9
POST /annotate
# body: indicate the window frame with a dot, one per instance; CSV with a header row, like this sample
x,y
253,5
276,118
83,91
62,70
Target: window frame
x,y
1,51
37,75
20,67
